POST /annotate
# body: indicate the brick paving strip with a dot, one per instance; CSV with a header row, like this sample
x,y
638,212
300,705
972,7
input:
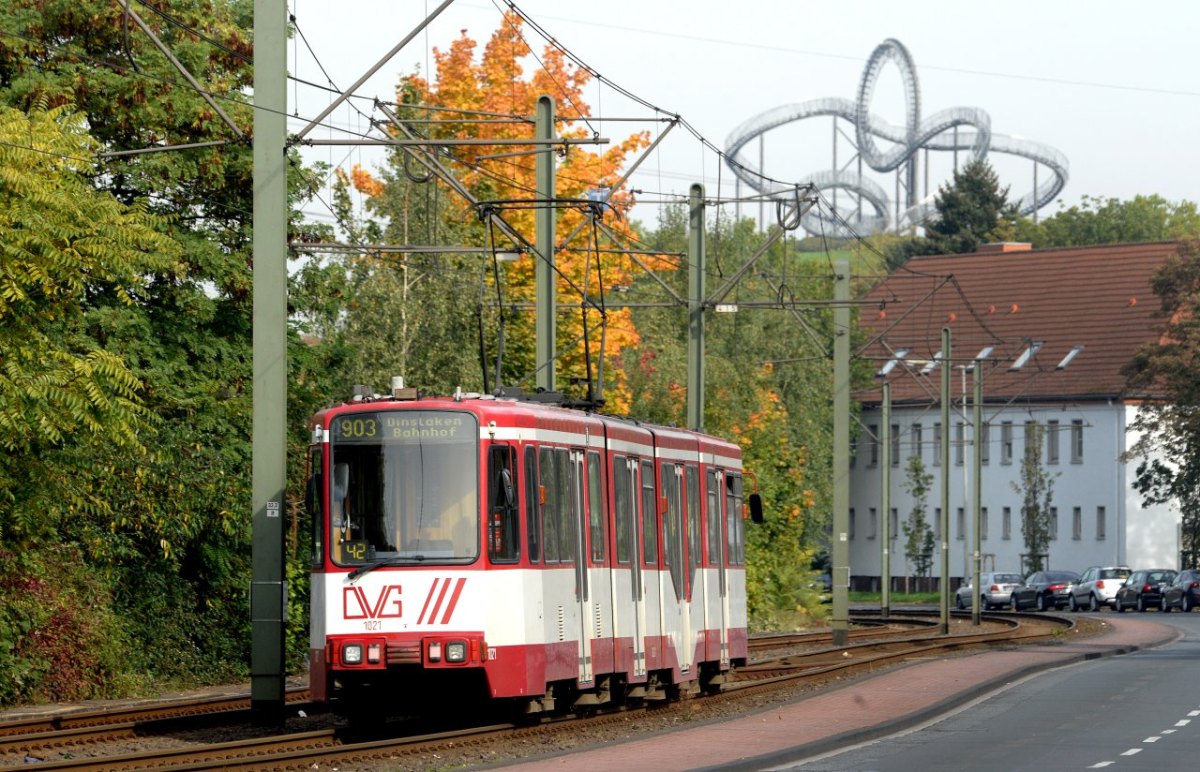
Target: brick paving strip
x,y
875,706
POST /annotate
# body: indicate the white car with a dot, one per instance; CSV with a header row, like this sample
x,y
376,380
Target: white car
x,y
1097,587
996,589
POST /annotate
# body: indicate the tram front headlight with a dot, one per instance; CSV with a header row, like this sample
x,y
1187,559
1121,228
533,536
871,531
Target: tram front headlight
x,y
352,654
456,651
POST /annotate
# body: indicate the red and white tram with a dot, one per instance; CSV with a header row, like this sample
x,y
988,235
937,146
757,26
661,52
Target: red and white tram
x,y
551,557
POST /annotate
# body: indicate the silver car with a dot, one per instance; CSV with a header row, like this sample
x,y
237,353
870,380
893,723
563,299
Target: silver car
x,y
1097,587
996,589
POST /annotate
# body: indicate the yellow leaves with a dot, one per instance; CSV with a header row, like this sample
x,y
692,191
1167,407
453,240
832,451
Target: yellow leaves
x,y
362,180
496,83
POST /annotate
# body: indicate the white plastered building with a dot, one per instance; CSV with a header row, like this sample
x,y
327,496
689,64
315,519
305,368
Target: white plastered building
x,y
1060,324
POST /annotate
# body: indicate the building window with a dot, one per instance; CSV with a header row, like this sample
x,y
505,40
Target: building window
x,y
983,523
1006,524
1077,523
962,524
984,448
873,447
1052,442
851,534
1101,523
895,445
937,444
1006,442
960,442
1077,442
895,529
872,523
937,524
916,440
1052,527
854,451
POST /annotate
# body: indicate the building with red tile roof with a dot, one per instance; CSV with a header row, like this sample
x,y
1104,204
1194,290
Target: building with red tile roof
x,y
1053,329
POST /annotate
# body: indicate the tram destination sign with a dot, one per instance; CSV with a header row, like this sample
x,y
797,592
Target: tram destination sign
x,y
404,426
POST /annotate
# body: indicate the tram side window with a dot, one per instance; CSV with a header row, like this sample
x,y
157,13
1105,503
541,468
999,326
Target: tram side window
x,y
713,491
547,466
533,499
502,531
624,509
569,500
595,506
692,481
312,503
733,511
649,516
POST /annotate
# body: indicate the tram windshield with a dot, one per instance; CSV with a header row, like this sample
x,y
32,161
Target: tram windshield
x,y
404,487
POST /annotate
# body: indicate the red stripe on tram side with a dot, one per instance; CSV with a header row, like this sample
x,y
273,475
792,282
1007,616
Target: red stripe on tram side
x,y
428,598
458,588
437,606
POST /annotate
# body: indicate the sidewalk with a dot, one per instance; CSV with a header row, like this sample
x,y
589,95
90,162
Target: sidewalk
x,y
866,709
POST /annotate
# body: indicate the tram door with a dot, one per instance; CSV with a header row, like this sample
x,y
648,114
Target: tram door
x,y
676,616
578,517
642,496
627,617
713,486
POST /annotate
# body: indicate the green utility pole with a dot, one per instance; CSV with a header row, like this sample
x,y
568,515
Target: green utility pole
x,y
977,463
268,590
544,226
944,517
696,258
885,502
841,453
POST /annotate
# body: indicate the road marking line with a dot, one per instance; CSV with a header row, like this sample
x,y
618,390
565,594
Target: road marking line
x,y
1167,731
1151,739
1194,713
1102,764
1132,752
1182,722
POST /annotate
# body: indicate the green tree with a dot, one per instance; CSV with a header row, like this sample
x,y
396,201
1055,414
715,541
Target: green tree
x,y
1099,220
972,209
64,400
166,528
1036,488
1165,376
767,388
402,314
918,533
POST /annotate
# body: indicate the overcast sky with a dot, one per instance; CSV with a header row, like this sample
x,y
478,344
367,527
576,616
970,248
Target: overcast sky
x,y
1112,86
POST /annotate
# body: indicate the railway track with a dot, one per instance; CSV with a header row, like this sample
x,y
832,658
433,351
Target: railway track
x,y
865,628
86,737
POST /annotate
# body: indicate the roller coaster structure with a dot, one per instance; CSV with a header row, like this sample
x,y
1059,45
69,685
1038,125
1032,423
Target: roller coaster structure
x,y
966,129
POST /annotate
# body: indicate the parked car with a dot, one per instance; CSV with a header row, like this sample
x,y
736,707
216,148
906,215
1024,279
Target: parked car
x,y
1097,586
1044,590
997,589
1144,589
1184,593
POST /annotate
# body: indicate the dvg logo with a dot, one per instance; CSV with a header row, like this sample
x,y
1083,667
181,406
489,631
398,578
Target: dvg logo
x,y
356,605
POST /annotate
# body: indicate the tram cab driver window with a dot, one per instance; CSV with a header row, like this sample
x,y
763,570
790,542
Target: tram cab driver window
x,y
502,538
405,487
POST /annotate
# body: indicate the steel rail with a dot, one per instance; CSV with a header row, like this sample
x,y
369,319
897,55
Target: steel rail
x,y
302,750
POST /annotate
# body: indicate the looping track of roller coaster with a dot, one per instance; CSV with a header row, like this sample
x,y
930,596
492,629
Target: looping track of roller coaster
x,y
966,129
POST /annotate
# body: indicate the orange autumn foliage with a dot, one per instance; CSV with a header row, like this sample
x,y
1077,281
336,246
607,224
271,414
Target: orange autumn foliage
x,y
363,181
496,84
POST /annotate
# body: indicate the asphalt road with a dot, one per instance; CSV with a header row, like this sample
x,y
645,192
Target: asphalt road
x,y
1137,712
